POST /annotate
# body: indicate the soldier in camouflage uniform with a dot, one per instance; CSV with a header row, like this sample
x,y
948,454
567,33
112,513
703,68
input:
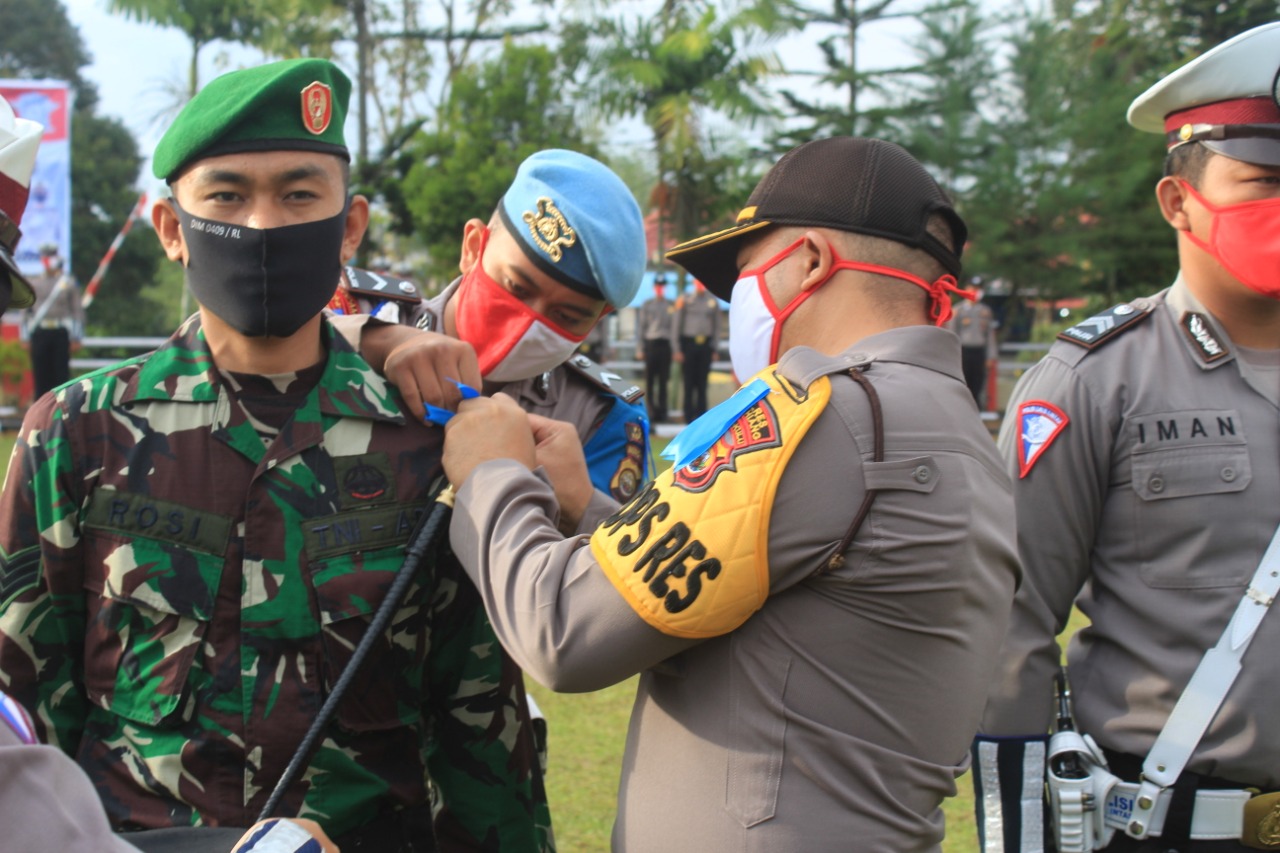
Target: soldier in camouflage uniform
x,y
194,540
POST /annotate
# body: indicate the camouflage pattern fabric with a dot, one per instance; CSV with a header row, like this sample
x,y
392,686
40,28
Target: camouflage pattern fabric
x,y
177,597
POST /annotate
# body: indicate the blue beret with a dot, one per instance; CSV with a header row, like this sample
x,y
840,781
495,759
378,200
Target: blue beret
x,y
577,221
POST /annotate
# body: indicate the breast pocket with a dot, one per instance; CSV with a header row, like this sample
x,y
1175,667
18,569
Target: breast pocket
x,y
1192,501
387,691
147,615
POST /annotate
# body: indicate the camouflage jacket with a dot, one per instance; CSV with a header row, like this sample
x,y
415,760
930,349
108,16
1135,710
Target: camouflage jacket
x,y
177,598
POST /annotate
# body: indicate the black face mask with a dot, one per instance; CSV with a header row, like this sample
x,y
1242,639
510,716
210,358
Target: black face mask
x,y
263,281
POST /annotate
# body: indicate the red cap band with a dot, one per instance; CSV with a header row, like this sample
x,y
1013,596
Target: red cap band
x,y
13,198
1260,110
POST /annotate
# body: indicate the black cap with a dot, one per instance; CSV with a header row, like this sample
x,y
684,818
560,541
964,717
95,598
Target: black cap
x,y
866,186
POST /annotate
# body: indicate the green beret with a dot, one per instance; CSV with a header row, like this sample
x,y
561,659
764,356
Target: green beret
x,y
296,104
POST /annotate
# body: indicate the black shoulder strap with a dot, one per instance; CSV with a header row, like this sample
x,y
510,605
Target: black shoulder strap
x,y
877,455
604,379
378,286
1100,328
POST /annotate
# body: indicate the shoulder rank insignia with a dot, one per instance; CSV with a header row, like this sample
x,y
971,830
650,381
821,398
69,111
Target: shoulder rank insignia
x,y
606,379
1039,423
1100,328
378,286
16,718
1204,338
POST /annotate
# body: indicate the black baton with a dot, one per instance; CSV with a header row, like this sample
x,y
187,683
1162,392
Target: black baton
x,y
423,538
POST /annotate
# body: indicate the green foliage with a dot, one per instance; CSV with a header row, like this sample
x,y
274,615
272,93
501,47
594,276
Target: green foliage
x,y
673,69
498,114
37,41
104,166
15,363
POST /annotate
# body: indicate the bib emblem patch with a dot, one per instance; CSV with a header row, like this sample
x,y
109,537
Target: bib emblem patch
x,y
755,429
317,108
1039,423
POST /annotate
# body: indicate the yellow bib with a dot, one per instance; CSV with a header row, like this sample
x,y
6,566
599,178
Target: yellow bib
x,y
690,552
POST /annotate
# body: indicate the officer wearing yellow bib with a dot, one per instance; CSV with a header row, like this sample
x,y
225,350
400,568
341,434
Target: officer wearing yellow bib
x,y
813,593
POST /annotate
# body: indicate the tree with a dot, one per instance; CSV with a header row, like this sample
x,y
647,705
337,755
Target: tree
x,y
202,21
498,113
40,42
936,111
676,69
37,41
848,115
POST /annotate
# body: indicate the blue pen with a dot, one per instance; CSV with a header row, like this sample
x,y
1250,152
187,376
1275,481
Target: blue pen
x,y
438,416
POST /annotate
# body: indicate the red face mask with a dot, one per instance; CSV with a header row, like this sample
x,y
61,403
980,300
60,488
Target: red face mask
x,y
1245,239
511,340
755,320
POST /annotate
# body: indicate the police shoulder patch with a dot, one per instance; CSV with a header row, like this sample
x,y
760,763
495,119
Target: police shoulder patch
x,y
378,286
1039,423
690,553
16,718
604,379
1100,328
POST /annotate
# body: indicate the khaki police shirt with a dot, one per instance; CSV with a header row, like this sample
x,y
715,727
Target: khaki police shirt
x,y
657,319
975,326
839,715
57,305
1154,505
698,317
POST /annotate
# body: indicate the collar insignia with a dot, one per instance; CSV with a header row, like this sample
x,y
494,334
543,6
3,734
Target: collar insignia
x,y
1039,423
551,233
1202,336
317,108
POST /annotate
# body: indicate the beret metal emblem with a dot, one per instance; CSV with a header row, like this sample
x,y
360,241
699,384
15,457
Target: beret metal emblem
x,y
317,108
551,233
1184,133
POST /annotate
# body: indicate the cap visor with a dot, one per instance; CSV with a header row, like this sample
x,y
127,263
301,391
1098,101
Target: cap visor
x,y
23,295
713,259
1260,150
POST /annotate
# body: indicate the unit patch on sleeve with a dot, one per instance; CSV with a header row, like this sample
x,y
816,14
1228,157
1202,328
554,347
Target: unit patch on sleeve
x,y
755,429
1039,423
1100,328
690,553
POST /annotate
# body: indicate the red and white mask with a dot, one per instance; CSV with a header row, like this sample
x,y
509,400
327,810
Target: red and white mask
x,y
511,340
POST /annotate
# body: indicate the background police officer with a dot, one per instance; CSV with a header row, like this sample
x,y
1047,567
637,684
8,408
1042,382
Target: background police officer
x,y
656,327
695,339
975,325
1145,449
